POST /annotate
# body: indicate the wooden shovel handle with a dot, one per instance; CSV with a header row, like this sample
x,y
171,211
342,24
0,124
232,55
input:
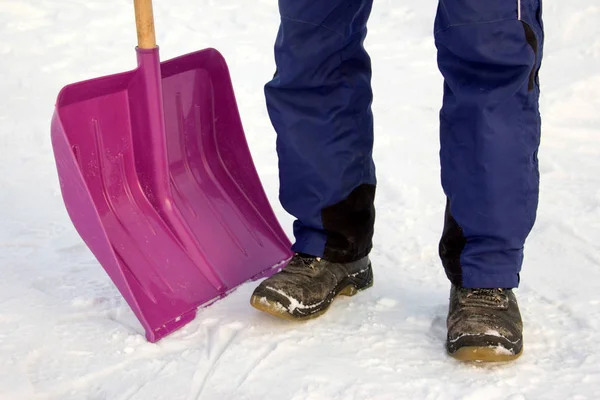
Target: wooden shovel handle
x,y
144,21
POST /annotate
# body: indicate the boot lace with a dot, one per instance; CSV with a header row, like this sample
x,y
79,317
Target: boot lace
x,y
484,297
302,261
487,294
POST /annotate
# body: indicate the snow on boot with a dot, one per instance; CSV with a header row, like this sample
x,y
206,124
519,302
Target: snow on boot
x,y
306,287
484,325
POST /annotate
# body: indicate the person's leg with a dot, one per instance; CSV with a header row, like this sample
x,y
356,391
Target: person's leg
x,y
319,102
489,53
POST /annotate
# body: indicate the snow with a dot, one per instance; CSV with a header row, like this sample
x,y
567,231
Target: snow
x,y
294,303
65,332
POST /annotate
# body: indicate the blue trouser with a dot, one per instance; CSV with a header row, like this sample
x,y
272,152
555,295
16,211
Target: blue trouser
x,y
319,101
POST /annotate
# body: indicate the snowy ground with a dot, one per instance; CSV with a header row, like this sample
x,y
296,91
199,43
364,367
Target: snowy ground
x,y
65,332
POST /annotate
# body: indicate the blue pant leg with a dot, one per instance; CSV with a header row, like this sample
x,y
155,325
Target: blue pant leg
x,y
319,102
489,53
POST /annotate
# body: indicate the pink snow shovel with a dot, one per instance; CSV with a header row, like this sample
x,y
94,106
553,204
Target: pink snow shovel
x,y
158,180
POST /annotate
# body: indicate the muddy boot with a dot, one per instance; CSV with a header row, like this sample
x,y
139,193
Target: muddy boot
x,y
484,325
306,287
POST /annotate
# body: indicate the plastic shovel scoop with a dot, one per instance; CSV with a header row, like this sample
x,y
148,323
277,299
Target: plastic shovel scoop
x,y
158,180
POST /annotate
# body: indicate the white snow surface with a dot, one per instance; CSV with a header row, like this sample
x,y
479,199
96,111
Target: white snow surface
x,y
66,333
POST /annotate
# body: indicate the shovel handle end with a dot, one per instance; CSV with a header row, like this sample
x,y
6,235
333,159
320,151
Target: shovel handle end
x,y
144,20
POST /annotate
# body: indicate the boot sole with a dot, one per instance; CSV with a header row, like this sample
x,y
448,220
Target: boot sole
x,y
483,354
349,287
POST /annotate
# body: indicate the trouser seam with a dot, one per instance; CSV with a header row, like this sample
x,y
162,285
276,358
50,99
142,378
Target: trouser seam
x,y
313,24
473,23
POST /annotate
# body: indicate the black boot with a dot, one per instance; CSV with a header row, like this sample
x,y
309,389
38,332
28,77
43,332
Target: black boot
x,y
484,325
306,287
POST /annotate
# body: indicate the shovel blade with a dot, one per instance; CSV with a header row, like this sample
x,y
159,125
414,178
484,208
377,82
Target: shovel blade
x,y
173,209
